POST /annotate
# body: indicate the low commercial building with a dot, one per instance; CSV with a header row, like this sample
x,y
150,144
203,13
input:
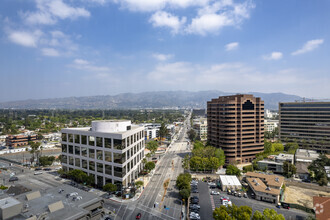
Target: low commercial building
x,y
265,187
229,182
110,151
63,202
151,130
200,126
20,140
274,163
270,125
306,156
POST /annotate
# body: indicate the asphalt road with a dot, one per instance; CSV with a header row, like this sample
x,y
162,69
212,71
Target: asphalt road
x,y
153,199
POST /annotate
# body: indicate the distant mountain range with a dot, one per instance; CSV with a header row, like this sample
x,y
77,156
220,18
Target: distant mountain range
x,y
164,99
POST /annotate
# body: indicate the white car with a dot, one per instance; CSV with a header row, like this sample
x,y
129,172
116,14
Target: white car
x,y
37,173
215,193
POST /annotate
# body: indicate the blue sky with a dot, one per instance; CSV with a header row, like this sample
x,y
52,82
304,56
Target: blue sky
x,y
62,48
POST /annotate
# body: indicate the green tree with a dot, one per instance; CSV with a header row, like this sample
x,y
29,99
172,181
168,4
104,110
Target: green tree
x,y
192,135
221,214
209,151
138,184
35,150
289,169
185,193
233,170
271,214
214,163
291,147
109,187
183,181
46,160
196,163
220,154
149,166
258,216
268,147
163,132
152,146
278,146
198,145
186,162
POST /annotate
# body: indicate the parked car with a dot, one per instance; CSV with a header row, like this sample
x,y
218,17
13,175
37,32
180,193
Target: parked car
x,y
47,169
195,201
37,169
12,179
138,216
278,206
215,193
239,194
194,206
194,191
37,173
245,195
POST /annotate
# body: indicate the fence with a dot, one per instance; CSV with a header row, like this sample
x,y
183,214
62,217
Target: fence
x,y
307,186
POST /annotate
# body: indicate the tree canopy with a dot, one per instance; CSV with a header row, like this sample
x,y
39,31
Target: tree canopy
x,y
233,170
152,146
109,187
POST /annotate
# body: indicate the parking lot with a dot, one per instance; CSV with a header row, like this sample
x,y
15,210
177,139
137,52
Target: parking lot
x,y
209,202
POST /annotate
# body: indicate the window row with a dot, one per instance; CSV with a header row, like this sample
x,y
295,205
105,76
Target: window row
x,y
102,142
102,168
119,158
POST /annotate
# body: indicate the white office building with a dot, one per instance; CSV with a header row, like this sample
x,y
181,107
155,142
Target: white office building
x,y
111,151
270,125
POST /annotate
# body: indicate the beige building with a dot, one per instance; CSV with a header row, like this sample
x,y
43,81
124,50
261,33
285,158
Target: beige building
x,y
265,187
200,126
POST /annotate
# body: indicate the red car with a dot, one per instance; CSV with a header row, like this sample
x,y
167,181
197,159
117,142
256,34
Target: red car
x,y
138,216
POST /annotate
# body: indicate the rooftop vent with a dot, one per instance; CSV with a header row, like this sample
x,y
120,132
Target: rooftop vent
x,y
267,188
257,184
276,179
254,180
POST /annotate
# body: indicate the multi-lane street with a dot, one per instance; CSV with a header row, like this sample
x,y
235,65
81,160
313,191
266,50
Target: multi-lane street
x,y
153,200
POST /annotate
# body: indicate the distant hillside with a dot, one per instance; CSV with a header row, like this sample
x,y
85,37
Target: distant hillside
x,y
164,99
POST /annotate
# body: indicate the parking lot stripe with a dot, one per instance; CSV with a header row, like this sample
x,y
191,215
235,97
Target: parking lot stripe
x,y
212,202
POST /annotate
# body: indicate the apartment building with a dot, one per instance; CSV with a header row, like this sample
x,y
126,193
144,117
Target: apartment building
x,y
236,124
20,140
270,125
111,151
151,130
200,126
265,187
308,123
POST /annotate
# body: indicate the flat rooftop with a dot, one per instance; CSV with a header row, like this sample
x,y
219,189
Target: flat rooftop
x,y
230,180
52,199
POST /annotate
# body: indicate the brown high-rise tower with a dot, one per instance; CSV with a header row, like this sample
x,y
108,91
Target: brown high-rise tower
x,y
236,124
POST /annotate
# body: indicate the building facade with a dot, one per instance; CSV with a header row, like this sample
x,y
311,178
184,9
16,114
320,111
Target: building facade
x,y
200,126
308,123
151,130
111,151
20,140
236,124
270,125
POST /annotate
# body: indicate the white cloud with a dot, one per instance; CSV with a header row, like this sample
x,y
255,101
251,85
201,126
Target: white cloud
x,y
162,57
155,5
50,11
273,56
164,19
212,18
50,52
309,46
25,38
232,46
89,67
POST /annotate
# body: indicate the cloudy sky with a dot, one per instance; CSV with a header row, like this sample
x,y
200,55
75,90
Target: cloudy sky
x,y
61,48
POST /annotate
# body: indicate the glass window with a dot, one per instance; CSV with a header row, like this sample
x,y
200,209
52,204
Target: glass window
x,y
107,142
84,164
99,155
77,139
128,155
64,137
107,180
99,142
64,159
119,158
71,138
77,162
84,139
64,148
128,141
71,161
91,140
117,144
108,169
99,167
91,153
91,165
117,171
107,156
77,150
134,136
84,151
70,149
123,143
